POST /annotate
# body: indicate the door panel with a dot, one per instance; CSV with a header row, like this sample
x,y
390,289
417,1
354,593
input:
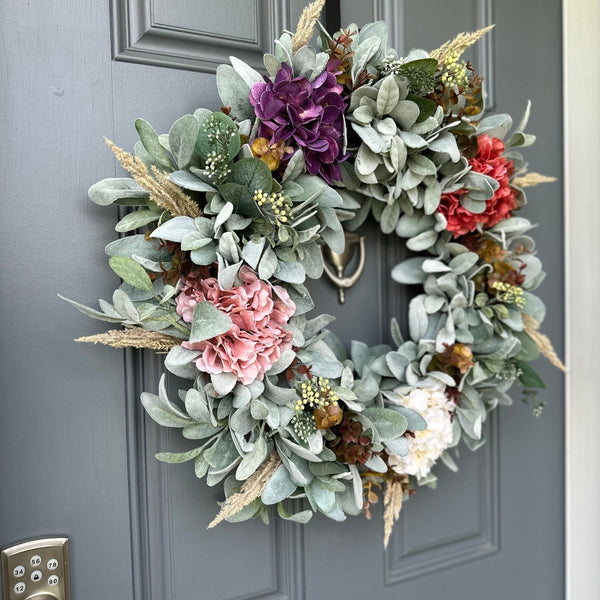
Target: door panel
x,y
179,35
62,419
81,451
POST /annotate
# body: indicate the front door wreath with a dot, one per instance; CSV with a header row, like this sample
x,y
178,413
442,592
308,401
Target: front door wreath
x,y
231,211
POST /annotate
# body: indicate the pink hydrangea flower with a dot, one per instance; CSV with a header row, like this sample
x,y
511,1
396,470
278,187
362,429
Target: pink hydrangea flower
x,y
257,337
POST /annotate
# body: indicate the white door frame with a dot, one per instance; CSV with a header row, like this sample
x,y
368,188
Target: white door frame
x,y
581,85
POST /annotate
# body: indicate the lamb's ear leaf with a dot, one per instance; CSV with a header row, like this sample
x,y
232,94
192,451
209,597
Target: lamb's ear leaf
x,y
246,72
151,143
111,190
208,322
388,423
234,91
279,487
304,516
182,139
131,272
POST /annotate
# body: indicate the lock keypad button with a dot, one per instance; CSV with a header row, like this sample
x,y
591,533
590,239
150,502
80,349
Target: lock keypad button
x,y
20,587
19,571
35,560
52,564
53,580
36,575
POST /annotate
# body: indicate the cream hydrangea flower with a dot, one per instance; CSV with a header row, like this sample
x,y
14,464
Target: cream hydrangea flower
x,y
427,446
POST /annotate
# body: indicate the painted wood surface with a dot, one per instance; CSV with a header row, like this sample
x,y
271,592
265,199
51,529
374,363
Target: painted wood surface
x,y
77,449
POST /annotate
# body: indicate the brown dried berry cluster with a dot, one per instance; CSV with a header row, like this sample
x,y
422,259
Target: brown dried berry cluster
x,y
503,271
350,444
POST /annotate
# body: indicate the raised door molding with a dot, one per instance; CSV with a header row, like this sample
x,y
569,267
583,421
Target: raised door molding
x,y
149,32
150,493
403,562
484,50
392,12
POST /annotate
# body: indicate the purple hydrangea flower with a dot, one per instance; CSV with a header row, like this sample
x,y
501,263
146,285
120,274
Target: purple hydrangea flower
x,y
311,114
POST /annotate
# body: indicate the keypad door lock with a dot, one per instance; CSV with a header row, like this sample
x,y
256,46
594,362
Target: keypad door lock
x,y
36,570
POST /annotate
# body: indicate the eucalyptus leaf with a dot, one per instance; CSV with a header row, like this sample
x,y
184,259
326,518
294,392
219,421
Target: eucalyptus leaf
x,y
252,173
528,377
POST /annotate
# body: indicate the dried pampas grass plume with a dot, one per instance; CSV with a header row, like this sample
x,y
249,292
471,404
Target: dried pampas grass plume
x,y
250,491
133,337
392,505
542,341
531,180
459,44
306,24
162,190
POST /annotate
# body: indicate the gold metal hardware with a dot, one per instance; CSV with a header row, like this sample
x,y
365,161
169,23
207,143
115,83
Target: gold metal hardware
x,y
340,261
36,570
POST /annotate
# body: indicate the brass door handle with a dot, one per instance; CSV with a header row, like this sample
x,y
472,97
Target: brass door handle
x,y
341,261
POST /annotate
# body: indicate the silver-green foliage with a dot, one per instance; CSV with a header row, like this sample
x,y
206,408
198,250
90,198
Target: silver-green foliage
x,y
239,426
400,151
404,156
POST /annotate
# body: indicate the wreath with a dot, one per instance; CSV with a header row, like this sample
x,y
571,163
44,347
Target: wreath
x,y
230,212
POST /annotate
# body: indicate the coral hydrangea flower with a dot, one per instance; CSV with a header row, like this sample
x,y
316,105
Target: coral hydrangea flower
x,y
426,446
308,115
257,337
489,161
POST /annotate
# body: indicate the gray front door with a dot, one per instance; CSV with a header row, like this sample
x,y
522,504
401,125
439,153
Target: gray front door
x,y
76,449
